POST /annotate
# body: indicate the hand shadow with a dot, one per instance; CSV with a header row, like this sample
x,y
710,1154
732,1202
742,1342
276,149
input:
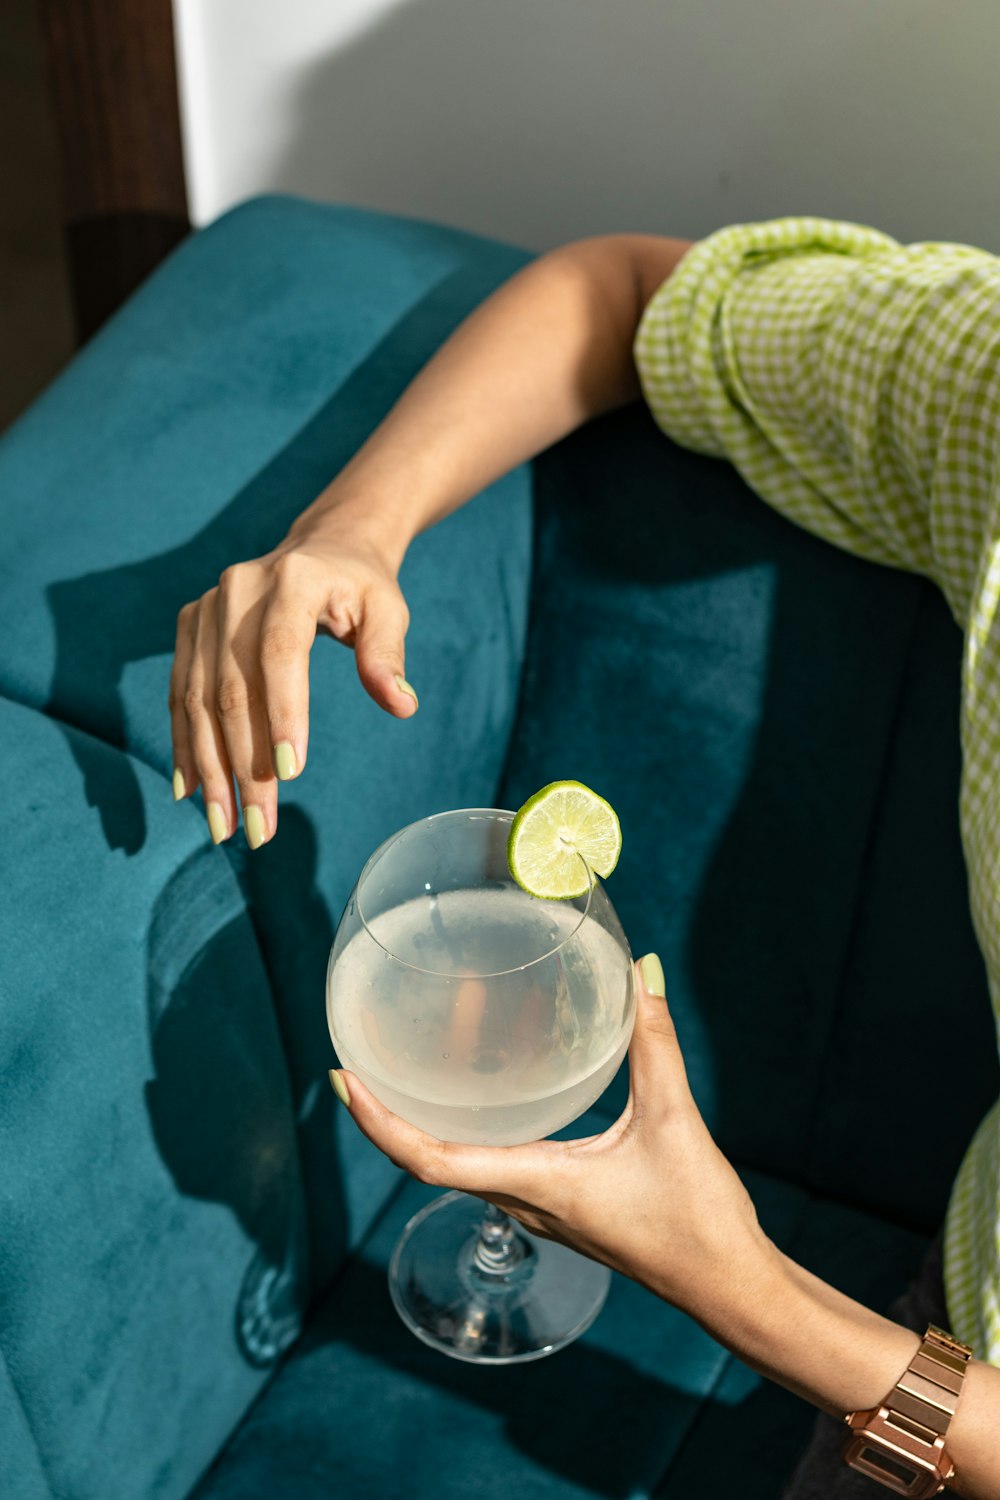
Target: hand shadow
x,y
219,1103
294,929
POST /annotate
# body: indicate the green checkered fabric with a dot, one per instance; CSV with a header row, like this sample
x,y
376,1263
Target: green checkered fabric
x,y
855,384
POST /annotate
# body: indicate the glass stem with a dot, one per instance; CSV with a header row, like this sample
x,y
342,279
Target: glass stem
x,y
499,1249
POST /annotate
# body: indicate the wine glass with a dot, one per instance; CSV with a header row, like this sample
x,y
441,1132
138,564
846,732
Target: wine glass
x,y
481,1014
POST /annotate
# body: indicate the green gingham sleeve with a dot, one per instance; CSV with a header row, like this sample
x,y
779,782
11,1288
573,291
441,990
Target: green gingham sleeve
x,y
811,354
855,384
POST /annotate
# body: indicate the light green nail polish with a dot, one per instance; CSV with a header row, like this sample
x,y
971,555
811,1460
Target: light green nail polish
x,y
652,975
404,687
253,826
339,1087
180,788
285,763
218,824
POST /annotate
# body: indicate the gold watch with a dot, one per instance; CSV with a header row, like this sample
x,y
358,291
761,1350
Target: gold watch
x,y
901,1442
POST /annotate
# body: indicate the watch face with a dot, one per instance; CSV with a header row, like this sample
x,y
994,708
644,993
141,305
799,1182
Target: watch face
x,y
896,1471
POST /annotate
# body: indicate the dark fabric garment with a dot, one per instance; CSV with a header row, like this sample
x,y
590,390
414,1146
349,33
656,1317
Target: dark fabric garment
x,y
821,1473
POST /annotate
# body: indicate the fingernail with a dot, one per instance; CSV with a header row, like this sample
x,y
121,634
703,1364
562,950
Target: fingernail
x,y
180,789
285,763
218,824
339,1087
652,974
404,687
253,826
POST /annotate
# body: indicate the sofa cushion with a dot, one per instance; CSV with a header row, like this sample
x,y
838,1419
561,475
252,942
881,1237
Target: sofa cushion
x,y
152,1243
363,1408
186,436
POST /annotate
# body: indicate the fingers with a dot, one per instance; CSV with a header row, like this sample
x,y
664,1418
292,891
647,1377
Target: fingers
x,y
656,1067
378,649
205,735
239,703
240,696
287,632
185,771
239,688
509,1171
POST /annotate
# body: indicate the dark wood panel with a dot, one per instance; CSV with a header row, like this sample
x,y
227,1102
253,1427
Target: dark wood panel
x,y
113,83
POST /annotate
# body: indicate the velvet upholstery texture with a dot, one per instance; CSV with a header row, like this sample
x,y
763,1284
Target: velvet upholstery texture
x,y
152,1243
192,1237
644,1404
184,437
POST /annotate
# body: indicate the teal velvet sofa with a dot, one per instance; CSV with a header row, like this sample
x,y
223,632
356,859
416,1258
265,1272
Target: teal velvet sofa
x,y
193,1240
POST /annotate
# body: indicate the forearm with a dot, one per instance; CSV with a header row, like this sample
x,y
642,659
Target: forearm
x,y
548,351
842,1357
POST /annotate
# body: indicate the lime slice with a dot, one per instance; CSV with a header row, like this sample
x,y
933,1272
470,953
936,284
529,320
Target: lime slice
x,y
552,830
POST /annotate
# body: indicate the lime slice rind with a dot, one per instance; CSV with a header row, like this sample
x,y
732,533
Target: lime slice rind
x,y
557,834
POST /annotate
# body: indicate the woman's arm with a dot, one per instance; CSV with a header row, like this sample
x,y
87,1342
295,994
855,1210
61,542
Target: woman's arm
x,y
549,350
843,1357
654,1198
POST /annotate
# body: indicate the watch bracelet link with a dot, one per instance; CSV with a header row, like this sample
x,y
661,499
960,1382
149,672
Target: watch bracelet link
x,y
911,1423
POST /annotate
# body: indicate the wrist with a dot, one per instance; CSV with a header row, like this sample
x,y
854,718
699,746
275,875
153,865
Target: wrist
x,y
739,1294
360,520
810,1338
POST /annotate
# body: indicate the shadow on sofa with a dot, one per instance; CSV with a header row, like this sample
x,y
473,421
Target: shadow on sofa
x,y
104,622
217,1108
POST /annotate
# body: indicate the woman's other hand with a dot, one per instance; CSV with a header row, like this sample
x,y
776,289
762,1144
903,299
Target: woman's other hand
x,y
239,688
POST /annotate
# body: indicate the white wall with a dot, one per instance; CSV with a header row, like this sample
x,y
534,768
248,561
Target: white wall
x,y
543,120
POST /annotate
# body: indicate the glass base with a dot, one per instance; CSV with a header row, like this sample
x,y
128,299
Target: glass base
x,y
528,1299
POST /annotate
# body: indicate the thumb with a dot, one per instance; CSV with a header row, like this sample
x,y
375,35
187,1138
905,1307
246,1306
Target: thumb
x,y
378,651
656,1067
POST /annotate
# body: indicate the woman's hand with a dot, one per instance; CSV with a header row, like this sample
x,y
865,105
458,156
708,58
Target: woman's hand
x,y
239,689
548,351
652,1196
